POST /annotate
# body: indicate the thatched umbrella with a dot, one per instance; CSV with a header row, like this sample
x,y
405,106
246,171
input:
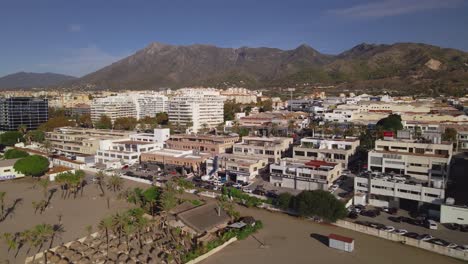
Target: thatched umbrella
x,y
146,248
82,248
102,246
68,253
122,247
123,257
63,261
151,261
97,256
61,249
84,261
131,261
142,257
76,257
113,249
89,252
75,245
112,256
133,252
54,259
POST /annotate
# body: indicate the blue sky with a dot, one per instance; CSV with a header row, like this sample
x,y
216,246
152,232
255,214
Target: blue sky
x,y
78,37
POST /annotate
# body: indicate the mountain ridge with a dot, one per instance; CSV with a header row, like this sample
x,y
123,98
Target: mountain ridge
x,y
33,80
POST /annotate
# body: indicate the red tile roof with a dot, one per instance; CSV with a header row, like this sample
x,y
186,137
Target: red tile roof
x,y
340,238
318,163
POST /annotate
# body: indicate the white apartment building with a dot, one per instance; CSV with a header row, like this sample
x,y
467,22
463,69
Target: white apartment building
x,y
422,159
137,105
197,109
301,175
272,148
115,153
150,104
462,141
388,190
339,116
238,168
113,107
339,151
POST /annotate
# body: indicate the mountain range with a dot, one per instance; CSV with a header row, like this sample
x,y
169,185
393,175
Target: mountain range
x,y
33,80
410,67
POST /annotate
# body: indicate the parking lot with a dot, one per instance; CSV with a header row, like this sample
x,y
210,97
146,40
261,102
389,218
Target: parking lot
x,y
453,236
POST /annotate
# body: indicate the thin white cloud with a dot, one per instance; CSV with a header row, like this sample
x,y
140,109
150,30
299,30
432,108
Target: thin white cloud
x,y
75,28
386,8
81,61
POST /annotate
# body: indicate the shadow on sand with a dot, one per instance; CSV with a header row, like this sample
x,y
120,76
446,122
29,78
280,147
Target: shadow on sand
x,y
321,238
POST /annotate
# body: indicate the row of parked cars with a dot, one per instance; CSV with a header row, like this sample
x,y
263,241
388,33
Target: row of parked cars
x,y
423,237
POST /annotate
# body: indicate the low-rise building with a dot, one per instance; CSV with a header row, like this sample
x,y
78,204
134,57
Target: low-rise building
x,y
7,172
190,160
238,168
72,140
204,143
389,189
462,140
330,150
421,158
304,175
272,148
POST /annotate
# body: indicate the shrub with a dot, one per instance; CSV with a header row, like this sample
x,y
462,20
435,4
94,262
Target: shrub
x,y
32,165
10,138
15,154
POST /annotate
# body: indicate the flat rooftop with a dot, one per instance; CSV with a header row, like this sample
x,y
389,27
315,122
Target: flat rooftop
x,y
177,153
133,142
204,218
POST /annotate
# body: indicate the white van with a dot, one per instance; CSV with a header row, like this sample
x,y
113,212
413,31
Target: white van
x,y
431,224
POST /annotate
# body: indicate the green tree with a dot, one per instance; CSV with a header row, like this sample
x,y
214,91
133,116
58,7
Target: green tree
x,y
162,118
36,136
44,183
10,138
33,165
230,108
84,120
151,196
125,123
100,180
105,225
55,122
168,198
319,203
115,183
284,200
104,122
266,106
10,241
450,134
23,129
391,122
15,154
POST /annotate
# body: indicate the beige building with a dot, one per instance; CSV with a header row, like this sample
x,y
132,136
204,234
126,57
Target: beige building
x,y
302,175
422,159
271,148
189,159
205,143
73,140
239,168
331,150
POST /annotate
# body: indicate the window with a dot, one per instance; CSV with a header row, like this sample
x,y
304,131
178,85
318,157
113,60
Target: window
x,y
299,153
312,154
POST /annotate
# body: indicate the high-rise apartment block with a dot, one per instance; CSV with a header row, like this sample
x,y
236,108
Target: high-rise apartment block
x,y
28,111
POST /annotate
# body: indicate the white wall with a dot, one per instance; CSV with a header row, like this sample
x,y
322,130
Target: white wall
x,y
453,214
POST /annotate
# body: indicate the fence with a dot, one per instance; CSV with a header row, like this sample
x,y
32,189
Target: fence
x,y
405,240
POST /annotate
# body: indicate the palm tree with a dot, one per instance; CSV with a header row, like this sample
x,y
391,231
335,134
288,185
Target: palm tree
x,y
48,147
27,237
23,129
89,230
128,230
100,175
106,225
41,234
10,241
115,183
2,202
119,220
44,183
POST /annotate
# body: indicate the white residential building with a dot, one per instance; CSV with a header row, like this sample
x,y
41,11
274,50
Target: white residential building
x,y
339,116
150,104
197,109
115,153
422,159
238,168
272,148
302,175
327,149
113,107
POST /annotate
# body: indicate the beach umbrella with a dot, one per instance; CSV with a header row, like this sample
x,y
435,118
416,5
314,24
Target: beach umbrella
x,y
61,249
122,257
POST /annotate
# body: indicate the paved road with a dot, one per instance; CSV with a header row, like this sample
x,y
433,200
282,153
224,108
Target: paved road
x,y
454,236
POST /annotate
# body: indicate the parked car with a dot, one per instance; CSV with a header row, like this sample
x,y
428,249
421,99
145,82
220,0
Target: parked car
x,y
333,188
439,242
452,226
259,192
369,213
464,228
315,219
247,190
390,210
416,222
452,245
388,229
462,248
272,194
400,231
353,215
431,224
425,237
237,185
412,235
